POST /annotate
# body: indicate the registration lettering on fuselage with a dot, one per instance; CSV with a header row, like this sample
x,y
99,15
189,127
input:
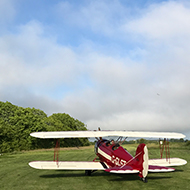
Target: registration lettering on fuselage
x,y
118,161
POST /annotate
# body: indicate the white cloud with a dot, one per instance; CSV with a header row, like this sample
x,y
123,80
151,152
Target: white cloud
x,y
28,59
104,89
163,21
142,121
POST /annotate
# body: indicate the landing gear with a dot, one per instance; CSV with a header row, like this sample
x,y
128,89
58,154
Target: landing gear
x,y
88,172
144,179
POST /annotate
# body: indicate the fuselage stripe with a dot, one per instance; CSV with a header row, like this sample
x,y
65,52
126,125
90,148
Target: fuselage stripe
x,y
104,154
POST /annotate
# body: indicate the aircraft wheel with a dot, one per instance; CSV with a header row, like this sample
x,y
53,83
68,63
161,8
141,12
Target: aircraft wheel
x,y
88,172
144,179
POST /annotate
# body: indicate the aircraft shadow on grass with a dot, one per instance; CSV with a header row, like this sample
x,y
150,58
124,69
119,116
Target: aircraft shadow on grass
x,y
135,177
117,177
177,170
72,174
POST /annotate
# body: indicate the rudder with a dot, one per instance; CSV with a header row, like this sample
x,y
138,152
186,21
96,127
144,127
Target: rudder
x,y
142,160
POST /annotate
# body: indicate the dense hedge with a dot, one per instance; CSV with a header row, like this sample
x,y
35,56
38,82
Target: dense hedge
x,y
16,124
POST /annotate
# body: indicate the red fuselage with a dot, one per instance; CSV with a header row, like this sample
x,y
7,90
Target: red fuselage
x,y
115,155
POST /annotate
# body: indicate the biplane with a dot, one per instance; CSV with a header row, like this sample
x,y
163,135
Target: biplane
x,y
112,157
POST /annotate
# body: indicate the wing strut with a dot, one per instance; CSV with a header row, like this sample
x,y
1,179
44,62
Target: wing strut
x,y
165,144
119,140
56,150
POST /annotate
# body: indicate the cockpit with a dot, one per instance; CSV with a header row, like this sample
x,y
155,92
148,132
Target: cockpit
x,y
114,145
110,144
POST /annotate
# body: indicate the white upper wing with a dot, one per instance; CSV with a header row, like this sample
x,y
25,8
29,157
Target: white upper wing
x,y
88,134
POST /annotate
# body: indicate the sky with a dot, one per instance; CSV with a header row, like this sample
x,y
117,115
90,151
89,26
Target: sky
x,y
113,64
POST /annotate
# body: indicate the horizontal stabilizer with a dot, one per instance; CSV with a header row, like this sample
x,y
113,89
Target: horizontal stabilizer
x,y
122,170
88,134
167,162
68,165
160,169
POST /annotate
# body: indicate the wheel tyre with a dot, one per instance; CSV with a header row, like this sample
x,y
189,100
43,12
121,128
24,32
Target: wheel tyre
x,y
144,179
88,172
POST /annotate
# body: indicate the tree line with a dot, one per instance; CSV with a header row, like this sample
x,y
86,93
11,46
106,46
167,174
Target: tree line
x,y
16,124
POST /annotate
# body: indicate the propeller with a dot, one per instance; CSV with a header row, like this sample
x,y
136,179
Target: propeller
x,y
99,130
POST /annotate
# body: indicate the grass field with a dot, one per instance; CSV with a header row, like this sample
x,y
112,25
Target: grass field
x,y
16,174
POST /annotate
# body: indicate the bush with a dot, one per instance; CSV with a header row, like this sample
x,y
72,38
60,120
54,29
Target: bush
x,y
16,124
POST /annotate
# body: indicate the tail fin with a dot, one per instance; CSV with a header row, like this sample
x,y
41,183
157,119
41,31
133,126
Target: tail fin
x,y
142,160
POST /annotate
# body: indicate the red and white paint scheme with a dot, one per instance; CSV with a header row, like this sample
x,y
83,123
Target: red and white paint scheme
x,y
112,156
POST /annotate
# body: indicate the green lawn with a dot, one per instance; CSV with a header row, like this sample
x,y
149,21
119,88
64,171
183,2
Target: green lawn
x,y
16,174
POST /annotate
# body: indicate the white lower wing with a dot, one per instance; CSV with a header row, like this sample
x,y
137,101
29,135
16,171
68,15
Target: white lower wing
x,y
124,171
88,134
68,165
167,162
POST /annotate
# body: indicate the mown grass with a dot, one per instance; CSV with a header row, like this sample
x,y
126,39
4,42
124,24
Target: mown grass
x,y
16,174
